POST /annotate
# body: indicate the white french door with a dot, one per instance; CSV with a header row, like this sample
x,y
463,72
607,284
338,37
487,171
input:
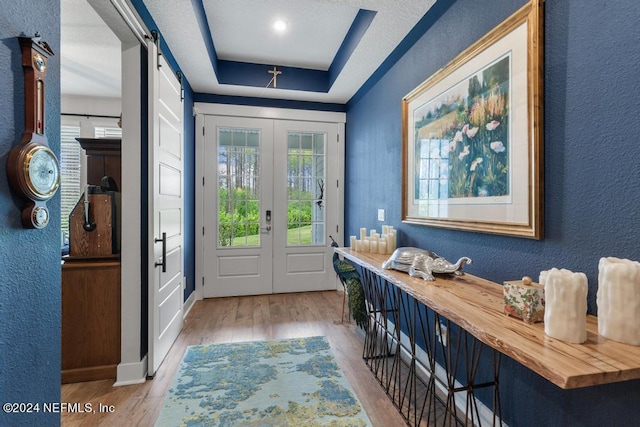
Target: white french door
x,y
270,201
306,176
238,176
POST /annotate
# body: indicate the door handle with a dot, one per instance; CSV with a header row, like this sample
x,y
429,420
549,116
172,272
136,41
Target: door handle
x,y
164,252
267,217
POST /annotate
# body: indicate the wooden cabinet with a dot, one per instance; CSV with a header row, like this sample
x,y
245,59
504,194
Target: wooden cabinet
x,y
91,276
90,319
103,158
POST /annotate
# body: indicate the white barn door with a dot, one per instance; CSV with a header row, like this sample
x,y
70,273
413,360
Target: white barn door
x,y
166,216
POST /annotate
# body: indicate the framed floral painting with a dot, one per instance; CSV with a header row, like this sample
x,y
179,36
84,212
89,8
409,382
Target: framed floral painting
x,y
472,135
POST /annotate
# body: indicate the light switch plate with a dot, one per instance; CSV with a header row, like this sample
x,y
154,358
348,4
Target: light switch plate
x,y
380,214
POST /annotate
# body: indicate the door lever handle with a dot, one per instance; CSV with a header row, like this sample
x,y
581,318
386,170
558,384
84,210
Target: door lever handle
x,y
265,229
164,252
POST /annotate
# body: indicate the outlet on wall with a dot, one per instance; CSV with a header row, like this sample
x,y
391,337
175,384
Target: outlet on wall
x,y
380,214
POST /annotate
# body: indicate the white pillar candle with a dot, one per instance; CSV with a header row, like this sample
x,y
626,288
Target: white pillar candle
x,y
618,300
373,246
565,310
358,245
352,242
382,247
363,233
365,246
391,241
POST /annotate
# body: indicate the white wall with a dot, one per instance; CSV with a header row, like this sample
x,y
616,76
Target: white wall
x,y
91,106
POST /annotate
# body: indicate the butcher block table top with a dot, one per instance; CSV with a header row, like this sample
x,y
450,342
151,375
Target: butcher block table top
x,y
476,305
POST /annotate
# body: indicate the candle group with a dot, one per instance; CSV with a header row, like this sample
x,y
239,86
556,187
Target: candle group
x,y
375,243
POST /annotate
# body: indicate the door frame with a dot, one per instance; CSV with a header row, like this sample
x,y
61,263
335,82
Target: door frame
x,y
131,31
201,109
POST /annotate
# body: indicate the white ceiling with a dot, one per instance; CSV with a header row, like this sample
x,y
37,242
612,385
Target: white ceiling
x,y
241,30
244,31
89,53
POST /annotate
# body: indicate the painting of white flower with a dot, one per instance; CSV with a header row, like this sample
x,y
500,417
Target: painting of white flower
x,y
497,146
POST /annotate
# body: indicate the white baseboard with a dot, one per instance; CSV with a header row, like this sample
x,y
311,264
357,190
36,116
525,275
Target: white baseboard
x,y
188,304
484,412
132,373
136,373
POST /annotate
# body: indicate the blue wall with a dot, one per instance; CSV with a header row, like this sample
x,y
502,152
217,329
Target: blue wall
x,y
592,181
29,259
189,191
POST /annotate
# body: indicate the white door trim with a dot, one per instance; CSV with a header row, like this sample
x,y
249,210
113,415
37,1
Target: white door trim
x,y
268,113
129,29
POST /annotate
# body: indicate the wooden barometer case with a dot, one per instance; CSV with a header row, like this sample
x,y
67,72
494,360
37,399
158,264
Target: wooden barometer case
x,y
32,167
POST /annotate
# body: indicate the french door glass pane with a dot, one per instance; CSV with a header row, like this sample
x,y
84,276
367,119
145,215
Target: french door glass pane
x,y
238,187
306,173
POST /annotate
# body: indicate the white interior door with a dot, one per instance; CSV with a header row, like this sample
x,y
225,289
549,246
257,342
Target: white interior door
x,y
306,201
270,201
166,218
238,201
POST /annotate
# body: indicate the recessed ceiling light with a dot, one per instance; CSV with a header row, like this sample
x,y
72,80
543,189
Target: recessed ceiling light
x,y
280,25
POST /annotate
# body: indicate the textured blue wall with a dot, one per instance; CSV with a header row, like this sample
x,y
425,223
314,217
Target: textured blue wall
x,y
592,181
189,191
29,259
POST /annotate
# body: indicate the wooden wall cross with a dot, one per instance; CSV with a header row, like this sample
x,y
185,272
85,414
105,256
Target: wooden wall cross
x,y
274,79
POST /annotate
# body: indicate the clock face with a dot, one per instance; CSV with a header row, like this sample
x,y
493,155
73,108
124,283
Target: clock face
x,y
42,172
40,216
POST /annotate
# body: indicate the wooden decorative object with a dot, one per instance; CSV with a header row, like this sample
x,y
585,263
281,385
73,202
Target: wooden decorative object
x,y
104,239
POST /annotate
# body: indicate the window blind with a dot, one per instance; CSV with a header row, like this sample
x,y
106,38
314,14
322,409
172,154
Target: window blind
x,y
107,132
70,186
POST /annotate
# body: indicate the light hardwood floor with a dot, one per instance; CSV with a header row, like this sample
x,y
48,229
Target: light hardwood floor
x,y
221,320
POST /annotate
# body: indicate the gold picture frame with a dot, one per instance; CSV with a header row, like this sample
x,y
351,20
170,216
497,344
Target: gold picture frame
x,y
472,135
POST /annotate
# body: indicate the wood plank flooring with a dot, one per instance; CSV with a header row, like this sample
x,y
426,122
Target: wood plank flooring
x,y
222,320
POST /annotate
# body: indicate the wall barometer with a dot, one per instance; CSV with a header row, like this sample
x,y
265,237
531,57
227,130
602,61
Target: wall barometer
x,y
32,167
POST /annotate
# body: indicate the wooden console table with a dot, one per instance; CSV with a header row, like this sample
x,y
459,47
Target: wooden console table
x,y
396,304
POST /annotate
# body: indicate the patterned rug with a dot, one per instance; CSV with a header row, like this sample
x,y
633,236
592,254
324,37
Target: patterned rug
x,y
294,382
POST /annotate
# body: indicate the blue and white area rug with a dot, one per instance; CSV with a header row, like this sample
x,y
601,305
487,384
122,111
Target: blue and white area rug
x,y
294,382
